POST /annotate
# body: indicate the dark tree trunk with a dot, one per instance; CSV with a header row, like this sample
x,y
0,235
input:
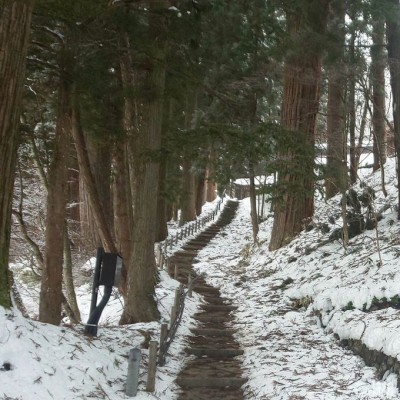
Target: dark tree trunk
x,y
352,110
188,196
200,192
141,305
91,190
15,21
253,203
299,111
51,295
162,228
69,280
393,40
211,185
99,153
378,64
336,165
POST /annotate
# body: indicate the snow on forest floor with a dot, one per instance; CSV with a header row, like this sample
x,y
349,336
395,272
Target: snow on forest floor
x,y
293,303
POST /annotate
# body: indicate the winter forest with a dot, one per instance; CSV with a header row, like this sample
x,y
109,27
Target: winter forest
x,y
240,158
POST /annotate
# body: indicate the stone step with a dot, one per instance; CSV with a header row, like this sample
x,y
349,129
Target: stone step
x,y
205,289
218,342
215,353
185,253
211,394
193,247
227,367
212,332
215,299
202,317
218,307
211,382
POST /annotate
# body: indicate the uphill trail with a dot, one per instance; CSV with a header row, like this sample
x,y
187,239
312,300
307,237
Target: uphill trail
x,y
213,370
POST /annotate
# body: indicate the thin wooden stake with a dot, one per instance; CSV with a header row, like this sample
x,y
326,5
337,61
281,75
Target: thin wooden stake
x,y
176,270
151,374
173,316
163,333
189,292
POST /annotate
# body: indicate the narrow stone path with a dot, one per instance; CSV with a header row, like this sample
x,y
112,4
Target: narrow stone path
x,y
214,372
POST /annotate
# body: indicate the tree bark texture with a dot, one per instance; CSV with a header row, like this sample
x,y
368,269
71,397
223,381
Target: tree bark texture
x,y
140,305
122,207
162,227
393,40
15,21
69,280
51,295
336,163
200,191
299,111
188,197
378,64
211,189
188,194
99,155
253,203
92,193
352,109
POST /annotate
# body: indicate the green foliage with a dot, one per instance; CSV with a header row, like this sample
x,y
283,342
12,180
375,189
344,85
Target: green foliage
x,y
349,306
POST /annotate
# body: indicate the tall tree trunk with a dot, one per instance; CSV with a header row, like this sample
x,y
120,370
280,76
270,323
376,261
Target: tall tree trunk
x,y
211,186
141,305
188,198
100,164
253,203
299,111
51,289
336,165
393,40
200,191
89,180
162,227
15,21
188,195
68,278
122,207
378,63
352,108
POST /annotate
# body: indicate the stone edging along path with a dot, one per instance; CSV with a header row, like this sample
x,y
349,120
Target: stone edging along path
x,y
214,372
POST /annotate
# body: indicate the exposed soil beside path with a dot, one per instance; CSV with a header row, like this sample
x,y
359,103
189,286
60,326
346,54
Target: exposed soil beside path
x,y
213,370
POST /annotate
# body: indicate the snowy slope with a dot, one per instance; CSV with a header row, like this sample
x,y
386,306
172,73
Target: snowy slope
x,y
292,306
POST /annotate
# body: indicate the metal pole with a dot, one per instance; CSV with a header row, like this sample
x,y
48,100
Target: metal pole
x,y
132,379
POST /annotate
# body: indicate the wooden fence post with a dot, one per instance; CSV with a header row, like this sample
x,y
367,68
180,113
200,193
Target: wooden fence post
x,y
177,298
189,292
176,270
173,316
151,374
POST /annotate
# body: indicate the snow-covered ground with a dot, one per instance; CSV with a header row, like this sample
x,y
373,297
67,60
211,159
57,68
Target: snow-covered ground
x,y
293,303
